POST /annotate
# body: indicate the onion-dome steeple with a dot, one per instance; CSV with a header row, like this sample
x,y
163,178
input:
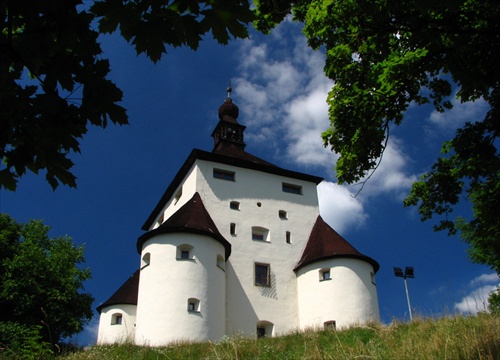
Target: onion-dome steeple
x,y
228,130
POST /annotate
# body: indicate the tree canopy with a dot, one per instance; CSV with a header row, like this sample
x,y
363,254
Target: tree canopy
x,y
54,78
41,282
384,55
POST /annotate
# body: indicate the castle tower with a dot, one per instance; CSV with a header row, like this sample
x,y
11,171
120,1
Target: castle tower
x,y
236,245
182,291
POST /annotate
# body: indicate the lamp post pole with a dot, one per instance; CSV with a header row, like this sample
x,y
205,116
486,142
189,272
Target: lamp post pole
x,y
409,273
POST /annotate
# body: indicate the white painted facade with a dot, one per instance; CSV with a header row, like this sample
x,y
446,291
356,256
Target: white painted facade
x,y
348,297
117,324
212,293
169,283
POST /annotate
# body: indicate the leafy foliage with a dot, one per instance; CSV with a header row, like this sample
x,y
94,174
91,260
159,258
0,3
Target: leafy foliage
x,y
40,281
53,79
494,301
384,55
23,342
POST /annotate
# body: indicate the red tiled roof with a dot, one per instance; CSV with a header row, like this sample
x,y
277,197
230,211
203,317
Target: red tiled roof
x,y
192,217
325,243
126,294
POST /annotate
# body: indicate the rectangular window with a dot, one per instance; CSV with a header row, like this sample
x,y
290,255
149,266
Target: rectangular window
x,y
224,174
256,236
291,188
232,229
262,274
260,234
288,236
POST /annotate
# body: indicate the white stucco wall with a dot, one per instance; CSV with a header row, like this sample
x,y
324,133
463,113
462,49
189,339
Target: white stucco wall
x,y
248,304
109,332
167,284
188,187
349,298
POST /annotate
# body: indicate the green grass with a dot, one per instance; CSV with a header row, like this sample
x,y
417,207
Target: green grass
x,y
456,337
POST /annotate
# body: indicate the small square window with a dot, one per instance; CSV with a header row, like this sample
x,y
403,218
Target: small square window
x,y
224,174
291,188
325,274
185,254
283,215
234,205
262,274
193,305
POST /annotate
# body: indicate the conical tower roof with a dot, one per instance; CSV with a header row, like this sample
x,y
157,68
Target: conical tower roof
x,y
192,217
126,294
326,243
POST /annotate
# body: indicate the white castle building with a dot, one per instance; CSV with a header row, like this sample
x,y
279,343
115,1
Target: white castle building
x,y
236,245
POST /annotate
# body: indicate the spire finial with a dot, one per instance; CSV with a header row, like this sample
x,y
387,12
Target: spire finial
x,y
229,90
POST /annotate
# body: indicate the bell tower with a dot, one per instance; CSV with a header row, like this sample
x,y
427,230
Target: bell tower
x,y
228,130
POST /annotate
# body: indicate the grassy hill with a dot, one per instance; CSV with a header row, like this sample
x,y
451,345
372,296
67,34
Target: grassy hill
x,y
474,337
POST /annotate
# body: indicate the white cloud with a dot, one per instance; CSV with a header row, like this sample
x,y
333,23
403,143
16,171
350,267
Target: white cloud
x,y
339,208
282,94
392,176
449,121
477,299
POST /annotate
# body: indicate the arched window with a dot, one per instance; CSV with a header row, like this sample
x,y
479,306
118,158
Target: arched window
x,y
264,329
193,305
185,252
146,260
116,319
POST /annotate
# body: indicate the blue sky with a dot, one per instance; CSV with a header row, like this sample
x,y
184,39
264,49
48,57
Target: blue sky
x,y
279,86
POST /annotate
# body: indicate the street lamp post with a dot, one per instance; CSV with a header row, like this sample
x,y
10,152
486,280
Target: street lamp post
x,y
409,273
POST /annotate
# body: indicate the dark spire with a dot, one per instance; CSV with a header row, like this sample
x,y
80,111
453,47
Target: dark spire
x,y
228,130
228,111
